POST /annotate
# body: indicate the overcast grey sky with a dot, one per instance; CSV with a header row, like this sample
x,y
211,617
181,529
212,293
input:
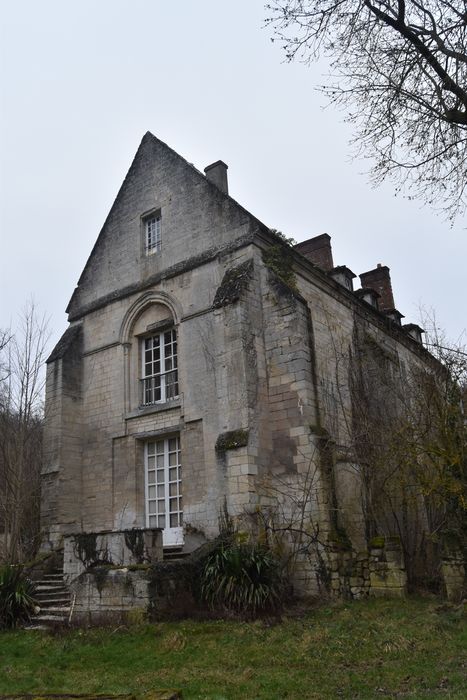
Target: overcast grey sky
x,y
82,81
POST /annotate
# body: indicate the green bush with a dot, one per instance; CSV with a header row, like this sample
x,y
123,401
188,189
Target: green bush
x,y
16,596
242,577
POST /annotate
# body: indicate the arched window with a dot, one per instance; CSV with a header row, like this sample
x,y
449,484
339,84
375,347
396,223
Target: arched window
x,y
159,367
150,339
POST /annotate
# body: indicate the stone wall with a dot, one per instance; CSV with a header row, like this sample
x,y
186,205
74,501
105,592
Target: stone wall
x,y
453,571
377,571
118,548
159,591
105,595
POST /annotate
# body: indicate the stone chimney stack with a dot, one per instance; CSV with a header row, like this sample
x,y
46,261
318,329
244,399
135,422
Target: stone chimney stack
x,y
379,279
318,251
217,174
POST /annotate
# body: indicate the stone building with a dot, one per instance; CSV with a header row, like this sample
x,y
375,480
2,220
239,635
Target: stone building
x,y
206,363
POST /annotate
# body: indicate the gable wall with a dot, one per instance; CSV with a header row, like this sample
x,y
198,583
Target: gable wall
x,y
196,218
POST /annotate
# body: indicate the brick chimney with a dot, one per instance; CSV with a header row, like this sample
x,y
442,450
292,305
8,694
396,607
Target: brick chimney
x,y
217,174
379,279
318,251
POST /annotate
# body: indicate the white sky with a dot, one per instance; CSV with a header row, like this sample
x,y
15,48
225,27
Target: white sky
x,y
82,81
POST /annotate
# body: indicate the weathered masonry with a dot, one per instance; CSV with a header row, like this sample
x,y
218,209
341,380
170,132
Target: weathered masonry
x,y
205,362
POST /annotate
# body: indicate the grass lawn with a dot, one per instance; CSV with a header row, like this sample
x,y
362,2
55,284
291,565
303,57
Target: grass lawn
x,y
370,649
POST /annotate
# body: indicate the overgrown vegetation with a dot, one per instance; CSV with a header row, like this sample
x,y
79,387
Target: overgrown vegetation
x,y
233,284
279,258
231,440
241,575
410,435
16,596
22,354
366,650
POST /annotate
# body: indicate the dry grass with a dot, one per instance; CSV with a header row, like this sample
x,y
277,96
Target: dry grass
x,y
375,649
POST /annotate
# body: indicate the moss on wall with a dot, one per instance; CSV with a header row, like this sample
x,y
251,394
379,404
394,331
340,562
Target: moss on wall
x,y
231,440
233,284
134,540
86,547
279,259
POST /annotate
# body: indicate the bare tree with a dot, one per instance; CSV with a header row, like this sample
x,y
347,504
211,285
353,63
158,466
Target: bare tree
x,y
400,69
410,435
21,412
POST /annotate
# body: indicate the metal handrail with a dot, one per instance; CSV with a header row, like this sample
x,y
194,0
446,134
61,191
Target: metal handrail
x,y
148,385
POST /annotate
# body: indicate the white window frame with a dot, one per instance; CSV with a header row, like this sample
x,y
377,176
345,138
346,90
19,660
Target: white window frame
x,y
153,234
163,488
166,379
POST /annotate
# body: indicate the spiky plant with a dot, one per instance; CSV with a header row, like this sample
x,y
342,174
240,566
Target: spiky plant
x,y
16,596
242,577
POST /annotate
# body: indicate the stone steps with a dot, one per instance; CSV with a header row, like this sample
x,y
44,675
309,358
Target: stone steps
x,y
175,553
54,602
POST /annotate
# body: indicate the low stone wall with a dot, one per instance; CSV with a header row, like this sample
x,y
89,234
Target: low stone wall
x,y
387,569
378,571
109,595
119,548
454,576
160,591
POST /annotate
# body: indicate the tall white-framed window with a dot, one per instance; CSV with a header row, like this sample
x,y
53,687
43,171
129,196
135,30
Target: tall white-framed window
x,y
159,363
163,481
153,234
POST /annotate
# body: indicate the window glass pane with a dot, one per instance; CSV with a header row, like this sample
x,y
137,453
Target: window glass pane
x,y
163,483
160,377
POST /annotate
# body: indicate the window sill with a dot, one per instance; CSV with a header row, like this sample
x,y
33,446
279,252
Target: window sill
x,y
154,408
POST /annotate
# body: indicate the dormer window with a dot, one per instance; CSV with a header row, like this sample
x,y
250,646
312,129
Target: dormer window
x,y
153,234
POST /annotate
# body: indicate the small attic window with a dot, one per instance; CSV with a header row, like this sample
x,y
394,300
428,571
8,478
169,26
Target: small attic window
x,y
153,234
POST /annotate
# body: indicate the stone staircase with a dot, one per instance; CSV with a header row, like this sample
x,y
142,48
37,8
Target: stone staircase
x,y
53,599
174,553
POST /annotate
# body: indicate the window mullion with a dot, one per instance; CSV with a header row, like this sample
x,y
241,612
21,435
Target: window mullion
x,y
162,352
167,486
146,481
